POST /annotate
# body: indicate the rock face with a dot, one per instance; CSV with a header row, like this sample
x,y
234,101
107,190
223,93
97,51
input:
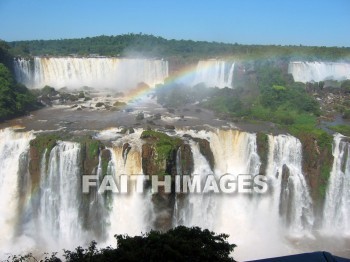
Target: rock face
x,y
263,149
105,158
90,151
204,148
287,191
34,165
160,154
185,160
317,164
38,146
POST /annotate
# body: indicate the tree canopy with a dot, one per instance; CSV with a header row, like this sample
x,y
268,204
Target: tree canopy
x,y
153,46
178,244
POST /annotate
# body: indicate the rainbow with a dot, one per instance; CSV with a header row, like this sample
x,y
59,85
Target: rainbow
x,y
185,75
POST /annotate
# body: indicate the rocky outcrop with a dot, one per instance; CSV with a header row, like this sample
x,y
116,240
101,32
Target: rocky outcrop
x,y
286,196
38,146
185,160
317,164
262,142
126,150
159,153
204,148
105,159
90,152
159,157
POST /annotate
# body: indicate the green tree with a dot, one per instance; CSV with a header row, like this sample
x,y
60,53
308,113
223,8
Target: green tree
x,y
15,99
178,244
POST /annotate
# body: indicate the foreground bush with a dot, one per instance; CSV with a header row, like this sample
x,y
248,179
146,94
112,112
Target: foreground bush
x,y
178,244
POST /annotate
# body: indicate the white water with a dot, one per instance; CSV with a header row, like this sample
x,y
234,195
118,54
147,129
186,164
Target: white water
x,y
12,147
256,219
264,222
242,216
58,217
113,73
319,71
199,209
290,197
131,212
336,216
214,73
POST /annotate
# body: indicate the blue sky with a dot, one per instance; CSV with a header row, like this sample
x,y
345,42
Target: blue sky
x,y
306,22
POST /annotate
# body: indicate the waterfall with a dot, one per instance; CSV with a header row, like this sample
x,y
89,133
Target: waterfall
x,y
241,214
56,215
72,72
336,216
319,71
13,145
214,73
131,212
60,198
23,71
290,197
284,211
196,209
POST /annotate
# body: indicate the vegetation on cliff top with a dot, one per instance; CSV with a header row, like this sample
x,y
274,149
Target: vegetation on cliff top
x,y
45,142
153,46
342,129
164,144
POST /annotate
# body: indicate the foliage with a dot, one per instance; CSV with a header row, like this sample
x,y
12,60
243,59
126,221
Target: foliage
x,y
275,98
342,129
15,99
153,46
164,145
45,142
345,85
93,148
325,174
89,145
178,244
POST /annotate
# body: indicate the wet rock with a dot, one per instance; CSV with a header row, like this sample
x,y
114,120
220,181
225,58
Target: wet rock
x,y
204,148
45,100
186,162
126,150
99,104
151,122
140,116
169,127
157,116
127,131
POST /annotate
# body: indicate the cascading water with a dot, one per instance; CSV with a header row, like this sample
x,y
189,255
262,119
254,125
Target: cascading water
x,y
214,73
13,145
319,71
23,71
113,73
196,209
132,211
58,216
248,218
290,194
239,214
336,216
